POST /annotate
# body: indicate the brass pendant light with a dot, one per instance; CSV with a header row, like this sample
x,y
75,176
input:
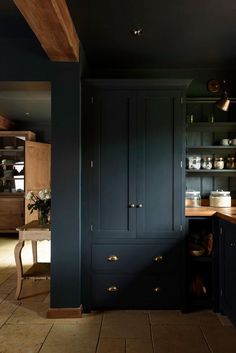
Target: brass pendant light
x,y
215,86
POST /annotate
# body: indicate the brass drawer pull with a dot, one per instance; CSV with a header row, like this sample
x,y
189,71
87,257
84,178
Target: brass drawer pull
x,y
158,258
157,290
112,289
112,258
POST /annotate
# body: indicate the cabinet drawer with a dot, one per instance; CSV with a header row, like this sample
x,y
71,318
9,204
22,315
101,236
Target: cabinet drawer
x,y
136,258
131,291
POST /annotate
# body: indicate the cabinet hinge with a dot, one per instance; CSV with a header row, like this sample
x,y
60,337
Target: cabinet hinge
x,y
181,164
182,100
92,100
181,227
91,228
221,231
91,164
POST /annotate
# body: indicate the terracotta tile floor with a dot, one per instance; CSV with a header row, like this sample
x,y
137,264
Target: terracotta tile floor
x,y
24,327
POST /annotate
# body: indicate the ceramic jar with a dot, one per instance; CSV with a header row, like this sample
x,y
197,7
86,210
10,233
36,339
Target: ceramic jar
x,y
220,198
219,163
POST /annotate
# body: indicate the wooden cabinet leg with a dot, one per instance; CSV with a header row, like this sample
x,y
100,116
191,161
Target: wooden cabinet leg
x,y
19,268
34,251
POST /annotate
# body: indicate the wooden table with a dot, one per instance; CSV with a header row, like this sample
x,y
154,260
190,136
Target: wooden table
x,y
34,232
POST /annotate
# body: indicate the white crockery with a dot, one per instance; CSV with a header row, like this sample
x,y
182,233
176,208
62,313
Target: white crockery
x,y
225,142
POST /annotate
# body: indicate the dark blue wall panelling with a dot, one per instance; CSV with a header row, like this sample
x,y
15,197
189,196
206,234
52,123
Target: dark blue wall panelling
x,y
25,61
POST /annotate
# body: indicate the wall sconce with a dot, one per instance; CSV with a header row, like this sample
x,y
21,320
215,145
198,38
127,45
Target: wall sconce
x,y
216,86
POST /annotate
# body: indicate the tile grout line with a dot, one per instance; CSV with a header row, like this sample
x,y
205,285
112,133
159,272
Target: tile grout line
x,y
205,339
9,317
45,338
7,279
99,334
151,334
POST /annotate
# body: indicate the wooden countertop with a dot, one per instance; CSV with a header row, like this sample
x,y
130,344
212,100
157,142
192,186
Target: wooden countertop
x,y
227,214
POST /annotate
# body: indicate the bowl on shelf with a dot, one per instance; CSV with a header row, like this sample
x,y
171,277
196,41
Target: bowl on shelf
x,y
8,147
21,148
196,250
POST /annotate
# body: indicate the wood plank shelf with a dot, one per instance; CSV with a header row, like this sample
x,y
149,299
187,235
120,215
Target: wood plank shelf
x,y
208,100
211,126
7,150
210,147
211,171
39,270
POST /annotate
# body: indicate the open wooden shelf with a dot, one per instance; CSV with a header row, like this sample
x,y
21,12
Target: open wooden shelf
x,y
39,270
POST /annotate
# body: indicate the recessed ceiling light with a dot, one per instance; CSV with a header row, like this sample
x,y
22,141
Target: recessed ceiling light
x,y
137,32
27,113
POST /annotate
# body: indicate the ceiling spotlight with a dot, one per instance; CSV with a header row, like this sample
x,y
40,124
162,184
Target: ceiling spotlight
x,y
215,86
27,113
137,32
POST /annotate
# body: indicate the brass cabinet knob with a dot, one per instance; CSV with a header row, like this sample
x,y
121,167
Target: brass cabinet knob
x,y
131,205
158,258
139,205
157,290
112,258
112,289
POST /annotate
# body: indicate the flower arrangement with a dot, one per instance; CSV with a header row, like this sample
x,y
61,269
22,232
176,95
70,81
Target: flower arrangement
x,y
40,202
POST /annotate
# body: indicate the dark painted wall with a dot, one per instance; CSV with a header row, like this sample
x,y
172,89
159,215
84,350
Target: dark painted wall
x,y
199,77
23,60
42,130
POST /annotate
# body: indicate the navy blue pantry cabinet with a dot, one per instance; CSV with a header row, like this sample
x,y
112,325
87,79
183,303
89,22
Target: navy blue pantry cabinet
x,y
133,195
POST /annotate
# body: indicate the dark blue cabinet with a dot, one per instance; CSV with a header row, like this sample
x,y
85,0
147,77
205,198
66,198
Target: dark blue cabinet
x,y
112,173
227,267
159,155
133,195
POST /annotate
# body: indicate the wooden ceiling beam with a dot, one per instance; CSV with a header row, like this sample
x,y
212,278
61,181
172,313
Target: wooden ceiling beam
x,y
51,22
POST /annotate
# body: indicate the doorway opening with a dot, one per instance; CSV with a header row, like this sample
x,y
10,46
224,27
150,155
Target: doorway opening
x,y
25,165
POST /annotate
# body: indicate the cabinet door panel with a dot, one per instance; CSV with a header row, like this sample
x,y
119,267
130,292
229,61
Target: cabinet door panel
x,y
159,164
12,212
229,274
37,171
113,179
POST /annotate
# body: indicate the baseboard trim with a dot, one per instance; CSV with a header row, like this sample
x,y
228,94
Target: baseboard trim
x,y
64,313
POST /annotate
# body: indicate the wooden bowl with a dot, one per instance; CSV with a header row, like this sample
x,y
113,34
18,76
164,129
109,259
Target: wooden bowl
x,y
197,251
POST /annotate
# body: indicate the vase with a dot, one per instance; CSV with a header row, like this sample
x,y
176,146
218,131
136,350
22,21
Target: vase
x,y
42,217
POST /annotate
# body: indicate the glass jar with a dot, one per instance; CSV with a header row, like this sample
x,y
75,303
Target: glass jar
x,y
207,162
42,217
219,163
192,198
194,162
220,198
230,163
